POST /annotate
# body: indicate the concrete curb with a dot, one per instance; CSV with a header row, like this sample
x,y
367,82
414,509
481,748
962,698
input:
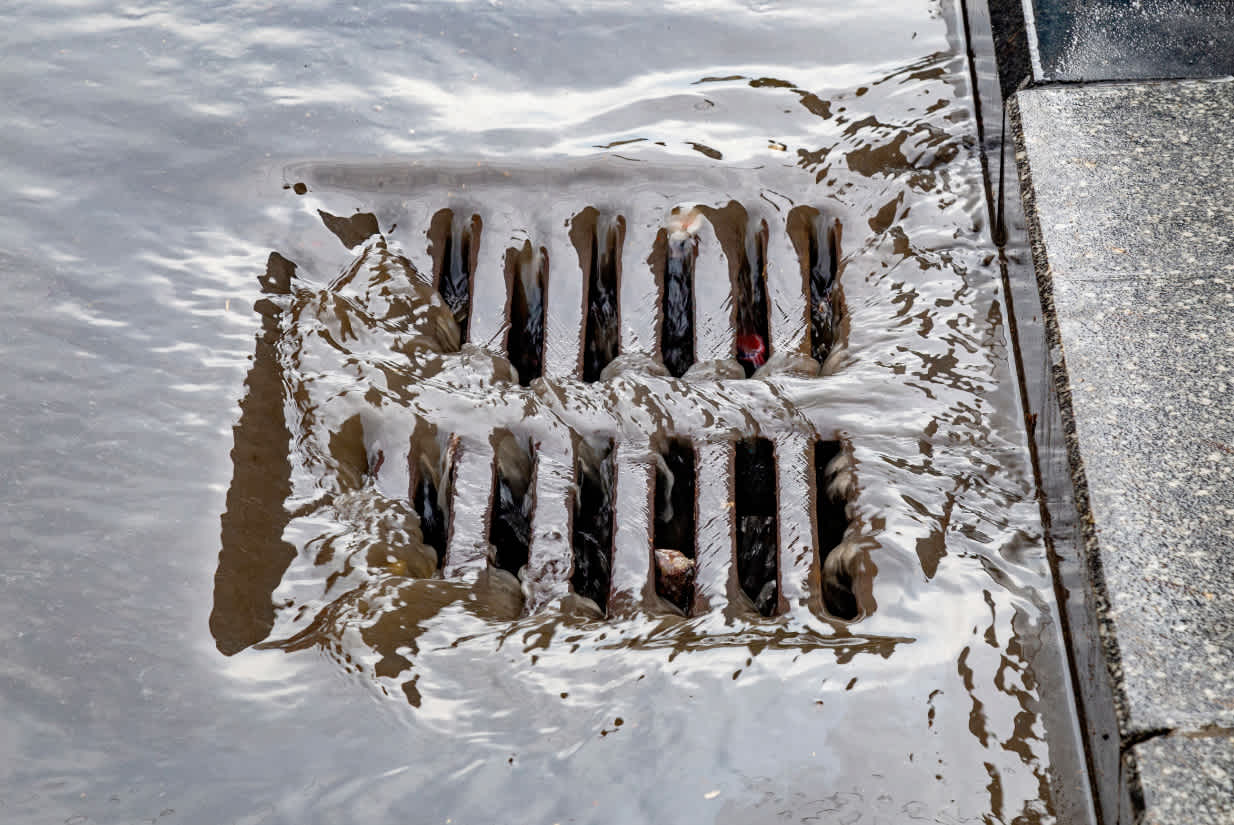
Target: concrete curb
x,y
1133,261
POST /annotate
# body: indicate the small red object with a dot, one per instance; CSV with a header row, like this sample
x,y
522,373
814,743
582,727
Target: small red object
x,y
750,348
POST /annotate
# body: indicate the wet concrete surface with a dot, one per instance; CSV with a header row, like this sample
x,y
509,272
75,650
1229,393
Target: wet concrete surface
x,y
171,172
1076,40
1129,190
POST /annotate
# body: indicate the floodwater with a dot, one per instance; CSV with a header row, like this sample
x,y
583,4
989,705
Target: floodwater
x,y
161,409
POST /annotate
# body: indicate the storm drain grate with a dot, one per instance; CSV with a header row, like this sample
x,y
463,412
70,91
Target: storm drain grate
x,y
665,518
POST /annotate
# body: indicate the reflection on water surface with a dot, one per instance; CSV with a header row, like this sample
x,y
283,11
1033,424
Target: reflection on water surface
x,y
147,167
942,554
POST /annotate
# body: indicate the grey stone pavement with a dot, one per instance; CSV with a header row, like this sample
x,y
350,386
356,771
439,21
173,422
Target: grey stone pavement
x,y
1121,116
1125,153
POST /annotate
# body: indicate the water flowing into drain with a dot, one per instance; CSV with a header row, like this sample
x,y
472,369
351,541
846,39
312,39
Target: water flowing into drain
x,y
451,505
813,106
630,489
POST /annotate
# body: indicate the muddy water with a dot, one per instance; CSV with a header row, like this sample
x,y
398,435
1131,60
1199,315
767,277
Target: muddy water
x,y
310,672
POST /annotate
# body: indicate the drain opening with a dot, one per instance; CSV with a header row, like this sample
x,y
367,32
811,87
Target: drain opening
x,y
824,294
593,524
426,489
525,271
743,278
677,306
715,251
510,527
453,249
598,243
757,555
752,309
727,315
674,524
834,486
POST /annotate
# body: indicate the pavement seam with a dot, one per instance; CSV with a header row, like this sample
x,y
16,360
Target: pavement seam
x,y
1029,83
1202,732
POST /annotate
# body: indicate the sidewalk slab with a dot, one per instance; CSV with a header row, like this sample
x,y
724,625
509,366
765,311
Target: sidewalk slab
x,y
1130,189
1085,40
1187,780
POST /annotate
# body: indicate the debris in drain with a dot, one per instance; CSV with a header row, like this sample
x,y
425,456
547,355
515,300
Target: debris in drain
x,y
756,523
675,576
835,484
674,524
593,525
510,530
751,351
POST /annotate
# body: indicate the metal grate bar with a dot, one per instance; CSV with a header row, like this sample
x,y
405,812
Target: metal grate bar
x,y
714,321
639,284
550,562
715,578
569,262
495,267
467,549
419,214
787,264
798,559
633,584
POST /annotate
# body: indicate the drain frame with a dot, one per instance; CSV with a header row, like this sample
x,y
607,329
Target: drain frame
x,y
766,252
